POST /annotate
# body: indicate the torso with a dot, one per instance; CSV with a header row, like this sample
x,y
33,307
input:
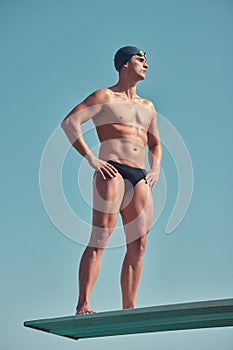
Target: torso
x,y
122,130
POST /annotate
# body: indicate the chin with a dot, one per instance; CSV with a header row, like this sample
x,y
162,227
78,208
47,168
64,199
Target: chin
x,y
142,77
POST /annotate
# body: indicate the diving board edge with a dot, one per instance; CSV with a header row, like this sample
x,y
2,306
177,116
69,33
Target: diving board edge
x,y
172,317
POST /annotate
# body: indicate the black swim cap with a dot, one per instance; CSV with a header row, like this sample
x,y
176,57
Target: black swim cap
x,y
124,54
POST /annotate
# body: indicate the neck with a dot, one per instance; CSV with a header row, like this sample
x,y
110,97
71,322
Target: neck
x,y
126,87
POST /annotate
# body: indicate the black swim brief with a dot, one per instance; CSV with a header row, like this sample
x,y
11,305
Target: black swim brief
x,y
132,174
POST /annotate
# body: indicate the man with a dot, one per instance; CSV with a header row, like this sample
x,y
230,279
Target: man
x,y
125,124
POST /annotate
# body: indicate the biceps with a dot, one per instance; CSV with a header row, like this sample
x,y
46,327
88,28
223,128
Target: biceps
x,y
81,113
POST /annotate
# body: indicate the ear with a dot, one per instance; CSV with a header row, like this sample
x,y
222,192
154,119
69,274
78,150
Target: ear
x,y
126,65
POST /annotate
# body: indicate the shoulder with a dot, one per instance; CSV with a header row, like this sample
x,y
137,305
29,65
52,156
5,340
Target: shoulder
x,y
149,104
100,96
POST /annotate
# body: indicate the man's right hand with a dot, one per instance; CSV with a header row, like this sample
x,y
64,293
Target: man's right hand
x,y
105,169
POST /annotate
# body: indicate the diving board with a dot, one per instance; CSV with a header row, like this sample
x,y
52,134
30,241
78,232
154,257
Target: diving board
x,y
202,314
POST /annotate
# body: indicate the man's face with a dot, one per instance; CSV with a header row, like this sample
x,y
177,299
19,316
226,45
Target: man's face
x,y
137,65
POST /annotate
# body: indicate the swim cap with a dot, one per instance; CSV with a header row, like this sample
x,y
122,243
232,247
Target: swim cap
x,y
124,54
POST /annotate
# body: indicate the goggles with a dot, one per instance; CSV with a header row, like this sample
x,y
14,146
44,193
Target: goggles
x,y
141,53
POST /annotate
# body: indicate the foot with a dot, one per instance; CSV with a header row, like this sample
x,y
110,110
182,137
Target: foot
x,y
84,310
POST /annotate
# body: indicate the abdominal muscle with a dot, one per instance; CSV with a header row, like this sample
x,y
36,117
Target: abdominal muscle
x,y
125,148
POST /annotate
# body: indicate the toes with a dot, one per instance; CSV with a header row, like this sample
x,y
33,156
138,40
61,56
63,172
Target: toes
x,y
85,312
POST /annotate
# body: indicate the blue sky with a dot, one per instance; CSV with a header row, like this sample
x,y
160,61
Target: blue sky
x,y
53,54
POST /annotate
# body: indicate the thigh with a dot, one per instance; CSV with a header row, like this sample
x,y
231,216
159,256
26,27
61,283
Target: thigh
x,y
137,214
107,194
107,199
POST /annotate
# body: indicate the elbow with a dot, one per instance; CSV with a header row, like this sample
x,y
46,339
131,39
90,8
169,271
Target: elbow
x,y
64,124
71,129
156,149
67,124
155,146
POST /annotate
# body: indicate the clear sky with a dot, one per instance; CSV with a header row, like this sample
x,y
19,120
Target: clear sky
x,y
53,54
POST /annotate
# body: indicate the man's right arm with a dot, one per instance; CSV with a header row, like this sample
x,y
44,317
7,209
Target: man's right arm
x,y
79,115
71,125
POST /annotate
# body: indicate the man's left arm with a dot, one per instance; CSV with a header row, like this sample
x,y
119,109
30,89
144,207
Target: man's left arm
x,y
154,151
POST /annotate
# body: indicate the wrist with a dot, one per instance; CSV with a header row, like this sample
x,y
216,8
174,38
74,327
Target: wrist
x,y
90,157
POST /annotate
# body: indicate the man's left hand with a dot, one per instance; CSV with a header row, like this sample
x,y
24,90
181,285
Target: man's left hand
x,y
152,177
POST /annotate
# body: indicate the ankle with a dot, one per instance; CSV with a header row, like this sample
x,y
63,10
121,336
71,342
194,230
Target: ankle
x,y
82,303
129,305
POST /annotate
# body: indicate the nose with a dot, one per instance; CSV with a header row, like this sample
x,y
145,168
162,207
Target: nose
x,y
145,65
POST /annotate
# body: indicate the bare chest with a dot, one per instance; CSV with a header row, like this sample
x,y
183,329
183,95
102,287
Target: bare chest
x,y
124,113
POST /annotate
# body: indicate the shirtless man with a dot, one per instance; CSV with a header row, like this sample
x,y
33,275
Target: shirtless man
x,y
125,124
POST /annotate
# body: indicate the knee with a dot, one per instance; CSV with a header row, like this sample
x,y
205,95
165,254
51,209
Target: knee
x,y
137,248
100,237
141,244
